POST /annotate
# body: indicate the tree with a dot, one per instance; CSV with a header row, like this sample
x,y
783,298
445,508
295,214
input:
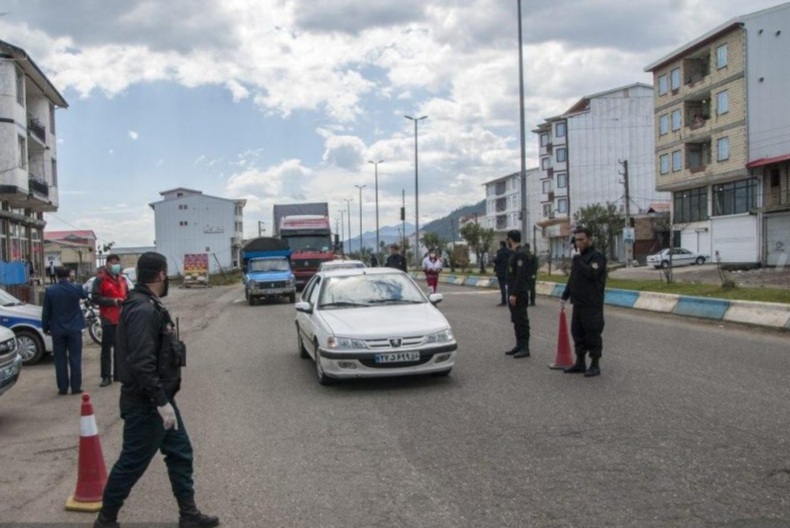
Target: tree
x,y
604,222
433,241
479,239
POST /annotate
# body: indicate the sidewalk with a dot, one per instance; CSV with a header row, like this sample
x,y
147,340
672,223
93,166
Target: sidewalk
x,y
762,314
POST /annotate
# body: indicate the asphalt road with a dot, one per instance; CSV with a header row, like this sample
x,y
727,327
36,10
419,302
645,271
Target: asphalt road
x,y
686,427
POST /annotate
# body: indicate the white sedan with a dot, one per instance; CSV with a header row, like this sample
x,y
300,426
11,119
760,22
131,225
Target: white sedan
x,y
680,257
372,322
341,264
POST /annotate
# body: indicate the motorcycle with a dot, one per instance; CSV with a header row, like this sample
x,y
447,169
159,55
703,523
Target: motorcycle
x,y
92,321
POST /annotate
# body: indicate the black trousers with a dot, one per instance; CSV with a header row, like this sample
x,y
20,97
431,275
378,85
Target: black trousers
x,y
520,320
108,368
143,435
502,287
531,285
586,328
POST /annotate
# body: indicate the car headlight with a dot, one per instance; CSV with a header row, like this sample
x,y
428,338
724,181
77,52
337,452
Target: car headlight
x,y
289,283
344,343
8,345
439,337
253,285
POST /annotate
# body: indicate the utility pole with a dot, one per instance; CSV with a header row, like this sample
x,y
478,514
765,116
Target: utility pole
x,y
403,219
342,233
348,217
360,187
629,240
417,259
523,214
260,230
376,165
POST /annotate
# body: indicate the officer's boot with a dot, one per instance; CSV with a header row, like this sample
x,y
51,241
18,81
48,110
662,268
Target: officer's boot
x,y
579,367
190,517
594,369
107,519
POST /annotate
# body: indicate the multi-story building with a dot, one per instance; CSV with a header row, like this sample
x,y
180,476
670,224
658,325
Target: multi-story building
x,y
28,155
75,250
581,160
723,139
190,222
503,207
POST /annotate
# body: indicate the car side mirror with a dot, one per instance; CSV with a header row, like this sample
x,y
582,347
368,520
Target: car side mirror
x,y
304,307
435,298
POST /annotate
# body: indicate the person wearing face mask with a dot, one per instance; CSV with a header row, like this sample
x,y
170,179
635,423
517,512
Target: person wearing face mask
x,y
150,358
109,291
432,266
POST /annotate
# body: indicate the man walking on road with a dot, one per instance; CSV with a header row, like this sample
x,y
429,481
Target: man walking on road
x,y
432,267
61,316
500,269
585,289
150,358
519,269
109,291
396,260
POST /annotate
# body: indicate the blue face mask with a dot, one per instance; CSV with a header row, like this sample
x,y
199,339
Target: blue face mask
x,y
115,269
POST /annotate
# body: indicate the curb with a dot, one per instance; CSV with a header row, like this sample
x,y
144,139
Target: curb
x,y
763,314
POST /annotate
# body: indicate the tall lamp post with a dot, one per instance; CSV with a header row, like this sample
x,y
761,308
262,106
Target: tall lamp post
x,y
376,165
524,221
348,217
360,187
342,232
416,193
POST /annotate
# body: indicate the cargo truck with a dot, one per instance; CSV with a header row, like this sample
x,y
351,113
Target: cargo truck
x,y
305,228
266,263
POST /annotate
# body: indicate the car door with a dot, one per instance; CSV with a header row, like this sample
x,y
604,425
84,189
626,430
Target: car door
x,y
681,257
307,320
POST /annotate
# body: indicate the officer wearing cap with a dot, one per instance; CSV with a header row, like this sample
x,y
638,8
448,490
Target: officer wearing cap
x,y
150,358
520,267
585,289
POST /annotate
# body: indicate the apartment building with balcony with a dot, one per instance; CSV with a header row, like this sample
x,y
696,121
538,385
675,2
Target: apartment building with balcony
x,y
28,155
187,221
503,207
722,133
581,154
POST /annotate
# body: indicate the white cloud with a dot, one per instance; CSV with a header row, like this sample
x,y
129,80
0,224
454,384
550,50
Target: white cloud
x,y
134,135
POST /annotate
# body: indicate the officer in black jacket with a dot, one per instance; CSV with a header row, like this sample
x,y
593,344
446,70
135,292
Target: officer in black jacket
x,y
519,269
500,268
396,260
585,289
150,358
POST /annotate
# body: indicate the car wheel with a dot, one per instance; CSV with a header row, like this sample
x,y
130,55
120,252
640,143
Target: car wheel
x,y
251,300
292,298
323,379
700,261
665,264
441,374
300,344
29,346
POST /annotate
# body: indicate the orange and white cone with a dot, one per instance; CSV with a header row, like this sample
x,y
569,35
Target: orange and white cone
x,y
563,358
91,471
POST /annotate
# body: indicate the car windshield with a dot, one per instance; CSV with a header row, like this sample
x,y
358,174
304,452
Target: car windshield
x,y
341,265
269,265
369,290
308,243
6,299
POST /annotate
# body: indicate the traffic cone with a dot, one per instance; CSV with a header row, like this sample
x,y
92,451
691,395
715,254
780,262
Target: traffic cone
x,y
91,471
564,358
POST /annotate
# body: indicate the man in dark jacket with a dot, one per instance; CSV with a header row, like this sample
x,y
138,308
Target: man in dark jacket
x,y
62,317
396,260
500,269
585,289
519,269
150,358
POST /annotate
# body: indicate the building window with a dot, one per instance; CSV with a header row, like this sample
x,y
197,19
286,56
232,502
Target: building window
x,y
677,161
735,197
544,163
562,155
722,102
183,223
562,180
52,118
562,205
22,153
691,205
20,87
663,163
662,85
546,186
663,125
676,118
721,56
559,130
547,210
544,140
54,173
723,149
674,77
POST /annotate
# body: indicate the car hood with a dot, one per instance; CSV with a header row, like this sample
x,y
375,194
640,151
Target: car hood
x,y
269,275
13,315
384,321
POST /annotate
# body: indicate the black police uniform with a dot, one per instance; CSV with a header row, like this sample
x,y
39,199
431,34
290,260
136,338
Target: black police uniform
x,y
397,261
519,269
585,289
532,279
500,268
149,367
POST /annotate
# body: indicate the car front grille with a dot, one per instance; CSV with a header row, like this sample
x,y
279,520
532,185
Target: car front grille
x,y
272,284
394,343
307,264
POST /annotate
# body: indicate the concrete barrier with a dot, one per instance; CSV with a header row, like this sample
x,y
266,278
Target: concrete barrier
x,y
759,313
657,302
702,307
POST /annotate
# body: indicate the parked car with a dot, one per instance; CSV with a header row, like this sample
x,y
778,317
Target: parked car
x,y
25,321
10,360
341,264
680,257
372,322
130,273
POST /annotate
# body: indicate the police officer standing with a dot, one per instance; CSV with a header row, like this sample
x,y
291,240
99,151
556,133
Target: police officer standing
x,y
396,260
533,277
519,269
585,289
150,358
500,268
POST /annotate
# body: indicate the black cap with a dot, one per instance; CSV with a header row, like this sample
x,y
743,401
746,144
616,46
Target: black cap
x,y
149,264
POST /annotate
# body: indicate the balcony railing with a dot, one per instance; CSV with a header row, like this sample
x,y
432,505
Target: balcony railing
x,y
37,186
35,128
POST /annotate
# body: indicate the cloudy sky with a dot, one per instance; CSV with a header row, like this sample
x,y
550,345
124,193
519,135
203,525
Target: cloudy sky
x,y
279,101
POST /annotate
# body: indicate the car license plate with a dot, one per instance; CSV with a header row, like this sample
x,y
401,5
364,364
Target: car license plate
x,y
397,357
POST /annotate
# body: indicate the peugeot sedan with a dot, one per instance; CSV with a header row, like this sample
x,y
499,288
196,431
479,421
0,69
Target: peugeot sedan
x,y
372,322
678,257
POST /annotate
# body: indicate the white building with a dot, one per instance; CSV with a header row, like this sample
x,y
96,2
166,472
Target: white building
x,y
581,155
190,222
503,208
28,155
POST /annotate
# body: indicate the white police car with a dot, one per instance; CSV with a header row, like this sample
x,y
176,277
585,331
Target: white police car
x,y
25,321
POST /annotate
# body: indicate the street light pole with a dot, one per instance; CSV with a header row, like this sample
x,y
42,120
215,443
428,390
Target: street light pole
x,y
360,187
524,220
416,193
348,217
376,165
342,232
